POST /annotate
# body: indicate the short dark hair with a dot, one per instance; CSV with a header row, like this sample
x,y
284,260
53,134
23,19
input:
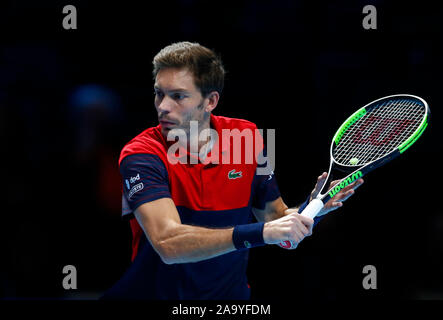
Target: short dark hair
x,y
205,65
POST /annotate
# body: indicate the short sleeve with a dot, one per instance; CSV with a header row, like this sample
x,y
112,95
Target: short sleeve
x,y
264,185
145,179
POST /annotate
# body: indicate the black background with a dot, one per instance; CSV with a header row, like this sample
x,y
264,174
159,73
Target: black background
x,y
300,67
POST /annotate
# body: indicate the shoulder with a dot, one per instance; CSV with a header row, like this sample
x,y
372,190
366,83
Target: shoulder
x,y
233,123
149,141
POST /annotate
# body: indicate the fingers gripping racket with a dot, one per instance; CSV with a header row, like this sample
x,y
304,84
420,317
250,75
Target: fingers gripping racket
x,y
372,136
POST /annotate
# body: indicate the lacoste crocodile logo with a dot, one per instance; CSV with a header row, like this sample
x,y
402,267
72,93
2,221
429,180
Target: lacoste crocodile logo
x,y
234,175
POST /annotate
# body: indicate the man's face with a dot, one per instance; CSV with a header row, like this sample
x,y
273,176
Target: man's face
x,y
178,101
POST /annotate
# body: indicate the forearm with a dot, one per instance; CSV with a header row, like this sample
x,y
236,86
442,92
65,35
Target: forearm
x,y
274,212
185,243
282,210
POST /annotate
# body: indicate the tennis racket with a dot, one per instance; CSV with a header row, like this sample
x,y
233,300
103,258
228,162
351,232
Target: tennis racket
x,y
372,136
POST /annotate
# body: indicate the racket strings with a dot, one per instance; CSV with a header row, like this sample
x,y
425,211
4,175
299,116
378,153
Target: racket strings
x,y
375,131
378,131
381,130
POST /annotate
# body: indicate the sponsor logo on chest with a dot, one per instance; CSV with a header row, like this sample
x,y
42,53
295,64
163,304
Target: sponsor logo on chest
x,y
234,175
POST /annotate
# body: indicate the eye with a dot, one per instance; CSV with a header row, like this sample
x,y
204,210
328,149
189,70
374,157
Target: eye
x,y
158,93
178,96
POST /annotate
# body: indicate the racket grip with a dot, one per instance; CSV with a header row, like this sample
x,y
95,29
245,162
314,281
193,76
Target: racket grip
x,y
311,210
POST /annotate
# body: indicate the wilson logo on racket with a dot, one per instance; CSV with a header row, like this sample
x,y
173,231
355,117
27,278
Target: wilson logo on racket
x,y
346,182
378,127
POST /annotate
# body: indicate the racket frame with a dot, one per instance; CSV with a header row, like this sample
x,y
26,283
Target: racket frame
x,y
356,172
325,196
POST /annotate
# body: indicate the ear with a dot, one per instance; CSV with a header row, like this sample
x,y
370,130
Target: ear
x,y
213,98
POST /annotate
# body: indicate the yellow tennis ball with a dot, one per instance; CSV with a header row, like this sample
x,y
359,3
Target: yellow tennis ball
x,y
353,161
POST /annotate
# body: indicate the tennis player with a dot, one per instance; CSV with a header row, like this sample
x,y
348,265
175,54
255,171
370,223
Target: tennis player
x,y
192,221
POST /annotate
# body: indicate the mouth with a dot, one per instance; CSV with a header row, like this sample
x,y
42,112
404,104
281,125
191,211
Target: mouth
x,y
165,123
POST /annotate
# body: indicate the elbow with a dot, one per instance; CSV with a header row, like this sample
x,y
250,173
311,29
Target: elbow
x,y
167,247
166,253
167,259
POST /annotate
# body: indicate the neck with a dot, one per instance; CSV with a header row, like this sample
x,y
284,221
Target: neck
x,y
195,136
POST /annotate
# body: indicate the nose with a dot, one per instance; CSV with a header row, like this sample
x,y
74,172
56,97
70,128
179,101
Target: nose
x,y
165,106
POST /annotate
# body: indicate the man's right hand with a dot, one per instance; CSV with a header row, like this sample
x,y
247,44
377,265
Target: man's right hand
x,y
292,227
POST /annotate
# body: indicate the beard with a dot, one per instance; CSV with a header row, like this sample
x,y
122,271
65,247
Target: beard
x,y
184,127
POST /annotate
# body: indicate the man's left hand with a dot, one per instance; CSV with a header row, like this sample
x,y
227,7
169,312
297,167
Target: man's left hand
x,y
337,201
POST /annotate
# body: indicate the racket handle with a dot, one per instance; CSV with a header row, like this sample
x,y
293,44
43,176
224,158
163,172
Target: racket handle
x,y
311,210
